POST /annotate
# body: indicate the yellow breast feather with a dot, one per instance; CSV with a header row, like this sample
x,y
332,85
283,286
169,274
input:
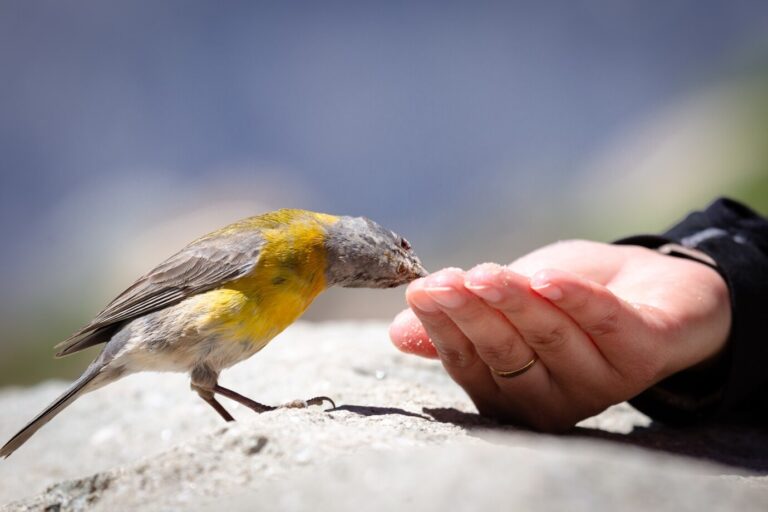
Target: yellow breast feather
x,y
257,307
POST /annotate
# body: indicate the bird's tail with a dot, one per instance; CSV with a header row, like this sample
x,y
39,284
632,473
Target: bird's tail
x,y
75,390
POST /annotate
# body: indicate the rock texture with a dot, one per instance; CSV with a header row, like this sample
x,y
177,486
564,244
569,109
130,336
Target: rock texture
x,y
403,437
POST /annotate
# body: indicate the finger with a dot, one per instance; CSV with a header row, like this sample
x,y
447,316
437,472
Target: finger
x,y
524,396
605,318
409,336
567,352
494,339
454,349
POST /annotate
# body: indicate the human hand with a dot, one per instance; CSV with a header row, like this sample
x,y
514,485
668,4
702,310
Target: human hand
x,y
605,321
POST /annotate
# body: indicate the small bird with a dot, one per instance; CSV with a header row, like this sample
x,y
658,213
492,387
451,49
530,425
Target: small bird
x,y
223,297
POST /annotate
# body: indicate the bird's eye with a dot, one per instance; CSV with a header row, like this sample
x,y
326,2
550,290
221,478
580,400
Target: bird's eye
x,y
401,268
404,244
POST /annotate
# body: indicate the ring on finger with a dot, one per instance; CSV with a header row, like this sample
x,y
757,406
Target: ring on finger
x,y
508,374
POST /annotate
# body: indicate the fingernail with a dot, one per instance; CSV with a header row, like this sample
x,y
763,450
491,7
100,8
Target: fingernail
x,y
423,303
446,296
546,289
485,292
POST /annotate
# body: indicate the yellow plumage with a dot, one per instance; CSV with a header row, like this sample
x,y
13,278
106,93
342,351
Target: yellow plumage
x,y
283,284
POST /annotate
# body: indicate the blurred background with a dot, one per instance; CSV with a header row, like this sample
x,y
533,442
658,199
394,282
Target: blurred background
x,y
479,130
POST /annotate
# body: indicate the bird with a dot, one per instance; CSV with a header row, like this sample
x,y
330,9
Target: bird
x,y
224,296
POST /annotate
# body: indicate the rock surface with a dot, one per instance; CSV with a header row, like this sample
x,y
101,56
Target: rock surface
x,y
403,437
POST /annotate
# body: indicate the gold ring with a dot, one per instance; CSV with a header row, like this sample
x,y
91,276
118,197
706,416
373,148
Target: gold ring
x,y
514,373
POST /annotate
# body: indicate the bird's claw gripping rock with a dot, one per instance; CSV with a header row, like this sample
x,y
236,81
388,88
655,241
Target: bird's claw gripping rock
x,y
301,404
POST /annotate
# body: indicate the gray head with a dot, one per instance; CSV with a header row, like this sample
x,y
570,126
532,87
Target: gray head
x,y
362,254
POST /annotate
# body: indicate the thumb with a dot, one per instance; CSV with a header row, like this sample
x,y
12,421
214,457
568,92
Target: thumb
x,y
409,336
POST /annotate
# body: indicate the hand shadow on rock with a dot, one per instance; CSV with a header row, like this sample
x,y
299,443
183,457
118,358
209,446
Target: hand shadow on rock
x,y
737,445
468,420
740,446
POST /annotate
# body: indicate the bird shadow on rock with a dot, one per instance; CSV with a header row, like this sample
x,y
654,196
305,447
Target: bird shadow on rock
x,y
739,446
441,415
372,410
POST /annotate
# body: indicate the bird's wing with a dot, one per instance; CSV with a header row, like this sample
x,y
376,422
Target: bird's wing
x,y
203,265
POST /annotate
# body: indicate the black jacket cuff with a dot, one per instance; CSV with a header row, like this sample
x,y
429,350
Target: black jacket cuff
x,y
736,386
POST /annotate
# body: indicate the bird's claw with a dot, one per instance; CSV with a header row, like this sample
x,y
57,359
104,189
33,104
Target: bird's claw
x,y
318,400
301,404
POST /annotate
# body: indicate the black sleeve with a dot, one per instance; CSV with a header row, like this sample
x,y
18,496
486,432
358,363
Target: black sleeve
x,y
736,386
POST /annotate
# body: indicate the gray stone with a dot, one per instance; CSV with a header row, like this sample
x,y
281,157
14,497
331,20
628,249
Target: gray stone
x,y
403,437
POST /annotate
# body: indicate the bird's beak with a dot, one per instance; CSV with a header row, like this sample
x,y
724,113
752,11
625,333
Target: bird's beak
x,y
419,271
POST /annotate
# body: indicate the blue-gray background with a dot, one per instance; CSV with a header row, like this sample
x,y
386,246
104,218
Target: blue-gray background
x,y
477,129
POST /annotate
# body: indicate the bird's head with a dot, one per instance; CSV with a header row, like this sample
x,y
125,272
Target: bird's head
x,y
362,254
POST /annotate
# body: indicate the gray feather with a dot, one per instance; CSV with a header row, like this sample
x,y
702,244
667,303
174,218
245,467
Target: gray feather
x,y
363,254
203,265
90,339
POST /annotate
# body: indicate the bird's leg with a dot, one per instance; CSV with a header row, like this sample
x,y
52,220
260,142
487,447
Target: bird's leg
x,y
204,381
237,397
256,406
207,395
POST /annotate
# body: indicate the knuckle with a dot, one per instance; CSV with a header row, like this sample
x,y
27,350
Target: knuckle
x,y
498,354
455,358
606,326
581,300
468,314
552,339
512,304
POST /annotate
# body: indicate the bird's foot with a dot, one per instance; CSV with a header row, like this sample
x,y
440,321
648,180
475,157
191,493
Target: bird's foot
x,y
301,404
258,407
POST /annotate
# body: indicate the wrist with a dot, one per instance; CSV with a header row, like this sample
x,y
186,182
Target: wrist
x,y
735,237
707,318
692,382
